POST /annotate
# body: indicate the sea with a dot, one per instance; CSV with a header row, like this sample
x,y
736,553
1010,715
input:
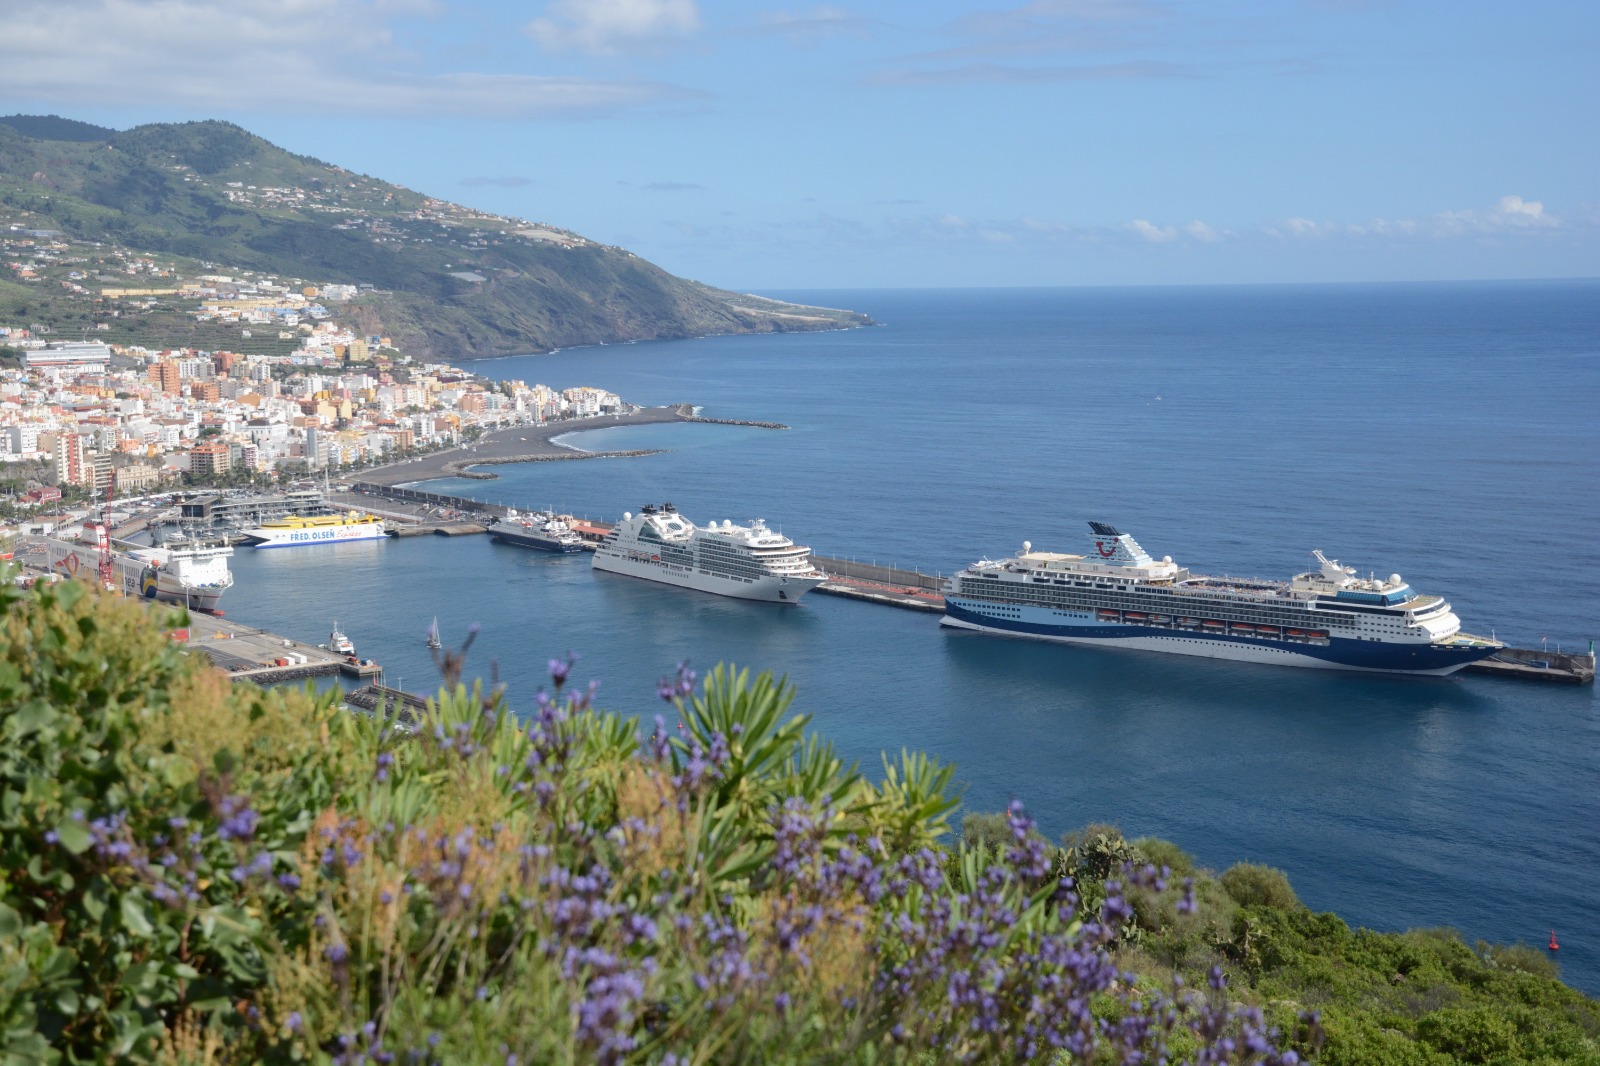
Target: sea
x,y
1445,432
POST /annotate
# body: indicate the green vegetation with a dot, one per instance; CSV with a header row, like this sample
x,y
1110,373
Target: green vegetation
x,y
210,193
196,872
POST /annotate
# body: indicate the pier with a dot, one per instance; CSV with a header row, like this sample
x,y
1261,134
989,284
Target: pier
x,y
250,654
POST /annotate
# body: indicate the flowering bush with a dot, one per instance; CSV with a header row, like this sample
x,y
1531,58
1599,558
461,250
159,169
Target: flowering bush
x,y
199,872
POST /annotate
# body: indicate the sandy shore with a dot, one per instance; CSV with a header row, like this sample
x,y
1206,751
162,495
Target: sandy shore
x,y
520,444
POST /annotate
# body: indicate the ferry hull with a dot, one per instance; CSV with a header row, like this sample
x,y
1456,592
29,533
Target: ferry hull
x,y
1337,654
304,538
134,577
772,588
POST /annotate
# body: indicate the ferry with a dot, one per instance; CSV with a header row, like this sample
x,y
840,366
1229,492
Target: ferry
x,y
1118,596
295,531
195,575
749,562
546,532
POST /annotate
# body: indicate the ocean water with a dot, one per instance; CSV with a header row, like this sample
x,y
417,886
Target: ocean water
x,y
1445,432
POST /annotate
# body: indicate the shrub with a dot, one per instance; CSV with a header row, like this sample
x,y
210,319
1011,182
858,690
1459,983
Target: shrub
x,y
1165,853
1521,957
1259,886
194,870
1476,1034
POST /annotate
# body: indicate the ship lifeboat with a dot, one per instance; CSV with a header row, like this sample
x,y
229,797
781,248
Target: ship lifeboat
x,y
1214,625
1135,616
1190,622
1160,619
1297,632
1107,616
1318,634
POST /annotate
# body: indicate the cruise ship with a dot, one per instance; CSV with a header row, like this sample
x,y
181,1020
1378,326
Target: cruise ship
x,y
1117,595
749,562
293,531
546,532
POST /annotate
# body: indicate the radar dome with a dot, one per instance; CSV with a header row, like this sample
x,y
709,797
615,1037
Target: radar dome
x,y
1027,546
1166,558
1394,579
627,516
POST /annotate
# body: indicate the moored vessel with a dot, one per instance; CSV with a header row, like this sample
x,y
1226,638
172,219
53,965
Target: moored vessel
x,y
294,531
1119,596
545,532
194,574
750,562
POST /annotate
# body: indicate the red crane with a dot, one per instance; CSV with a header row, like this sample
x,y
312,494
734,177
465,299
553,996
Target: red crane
x,y
108,573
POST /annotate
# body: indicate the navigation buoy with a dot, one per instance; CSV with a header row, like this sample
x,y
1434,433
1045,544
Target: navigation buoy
x,y
1553,945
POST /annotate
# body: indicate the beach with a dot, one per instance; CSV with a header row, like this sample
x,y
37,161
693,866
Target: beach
x,y
520,444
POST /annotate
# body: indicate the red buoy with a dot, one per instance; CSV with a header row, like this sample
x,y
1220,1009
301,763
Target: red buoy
x,y
1553,945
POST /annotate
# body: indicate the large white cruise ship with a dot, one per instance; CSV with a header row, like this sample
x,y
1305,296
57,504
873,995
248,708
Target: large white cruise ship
x,y
750,562
1119,596
296,531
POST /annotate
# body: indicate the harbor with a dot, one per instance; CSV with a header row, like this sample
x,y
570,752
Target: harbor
x,y
870,582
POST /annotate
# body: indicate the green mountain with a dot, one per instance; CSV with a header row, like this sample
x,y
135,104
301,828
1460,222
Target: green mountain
x,y
444,279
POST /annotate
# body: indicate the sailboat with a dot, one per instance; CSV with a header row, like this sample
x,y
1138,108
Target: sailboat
x,y
433,635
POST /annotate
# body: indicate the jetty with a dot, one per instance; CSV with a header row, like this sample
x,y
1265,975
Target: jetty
x,y
246,653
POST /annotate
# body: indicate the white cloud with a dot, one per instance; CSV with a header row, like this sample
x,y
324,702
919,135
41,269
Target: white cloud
x,y
602,27
220,56
1515,207
1151,232
1202,232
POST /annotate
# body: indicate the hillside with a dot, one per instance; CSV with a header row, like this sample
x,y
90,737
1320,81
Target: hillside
x,y
442,279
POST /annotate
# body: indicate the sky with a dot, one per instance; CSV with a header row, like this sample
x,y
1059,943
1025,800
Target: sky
x,y
777,145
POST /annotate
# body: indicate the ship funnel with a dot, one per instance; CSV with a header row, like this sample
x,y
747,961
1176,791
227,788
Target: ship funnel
x,y
1113,546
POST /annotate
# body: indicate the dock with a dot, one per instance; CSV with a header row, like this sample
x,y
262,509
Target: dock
x,y
1536,664
250,654
914,590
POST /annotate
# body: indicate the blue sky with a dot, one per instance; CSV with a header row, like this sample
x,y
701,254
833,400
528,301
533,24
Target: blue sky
x,y
774,145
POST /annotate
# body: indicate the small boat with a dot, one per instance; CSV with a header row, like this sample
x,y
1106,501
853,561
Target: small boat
x,y
1214,625
433,635
338,643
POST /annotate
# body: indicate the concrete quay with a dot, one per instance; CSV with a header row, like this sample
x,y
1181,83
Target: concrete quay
x,y
250,654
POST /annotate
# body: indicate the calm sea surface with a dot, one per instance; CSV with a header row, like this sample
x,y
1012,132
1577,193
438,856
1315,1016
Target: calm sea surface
x,y
1448,433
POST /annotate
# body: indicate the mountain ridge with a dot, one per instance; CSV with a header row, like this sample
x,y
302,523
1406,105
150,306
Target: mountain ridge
x,y
447,280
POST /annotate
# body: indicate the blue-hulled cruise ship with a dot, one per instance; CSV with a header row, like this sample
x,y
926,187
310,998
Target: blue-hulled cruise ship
x,y
1117,595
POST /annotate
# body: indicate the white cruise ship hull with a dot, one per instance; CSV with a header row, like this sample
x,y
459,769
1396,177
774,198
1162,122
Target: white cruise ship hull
x,y
1068,627
771,588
